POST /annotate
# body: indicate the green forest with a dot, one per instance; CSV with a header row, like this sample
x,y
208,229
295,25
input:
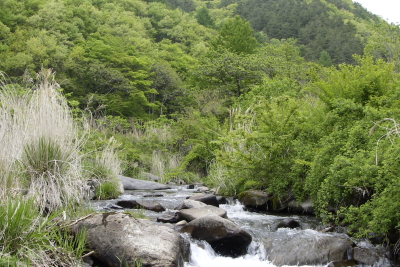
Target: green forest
x,y
298,98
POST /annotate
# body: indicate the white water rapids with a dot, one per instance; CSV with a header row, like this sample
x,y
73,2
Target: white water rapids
x,y
257,224
202,255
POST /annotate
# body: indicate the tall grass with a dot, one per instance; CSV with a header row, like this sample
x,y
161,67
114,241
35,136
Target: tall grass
x,y
39,144
103,171
29,239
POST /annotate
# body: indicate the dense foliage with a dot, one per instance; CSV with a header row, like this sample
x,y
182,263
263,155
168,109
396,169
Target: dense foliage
x,y
300,99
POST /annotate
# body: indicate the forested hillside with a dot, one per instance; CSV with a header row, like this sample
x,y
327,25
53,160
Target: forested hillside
x,y
297,98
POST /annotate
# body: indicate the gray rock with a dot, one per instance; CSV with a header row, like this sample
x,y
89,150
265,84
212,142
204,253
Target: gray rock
x,y
190,204
169,217
113,207
222,200
345,263
225,237
136,184
285,223
208,199
119,240
370,255
181,223
305,207
141,203
203,189
255,199
305,247
153,195
192,214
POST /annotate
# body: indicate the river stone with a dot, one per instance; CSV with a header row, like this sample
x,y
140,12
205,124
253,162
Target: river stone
x,y
305,207
208,199
119,239
141,204
190,204
255,199
308,247
286,223
224,236
136,184
169,217
192,214
346,263
222,200
203,189
370,256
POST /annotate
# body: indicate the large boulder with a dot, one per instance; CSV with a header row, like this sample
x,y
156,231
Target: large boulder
x,y
136,184
225,237
190,204
256,200
309,247
208,199
121,240
368,254
141,204
192,214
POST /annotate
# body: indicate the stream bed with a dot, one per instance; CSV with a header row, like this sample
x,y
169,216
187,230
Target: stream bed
x,y
257,224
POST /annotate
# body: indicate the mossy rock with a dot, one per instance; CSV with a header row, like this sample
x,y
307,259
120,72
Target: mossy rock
x,y
256,200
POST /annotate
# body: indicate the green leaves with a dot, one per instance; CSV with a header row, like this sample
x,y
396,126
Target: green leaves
x,y
236,36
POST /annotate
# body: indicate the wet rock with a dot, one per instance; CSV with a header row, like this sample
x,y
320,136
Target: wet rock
x,y
256,200
153,195
136,184
309,247
119,240
222,200
113,207
225,237
368,254
190,186
190,204
346,263
169,217
181,223
141,204
203,189
192,214
208,199
286,223
305,207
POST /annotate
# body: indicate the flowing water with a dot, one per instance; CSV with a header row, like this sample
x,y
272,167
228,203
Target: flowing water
x,y
257,224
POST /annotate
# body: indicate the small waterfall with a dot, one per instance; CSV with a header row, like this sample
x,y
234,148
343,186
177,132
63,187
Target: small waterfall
x,y
259,225
202,254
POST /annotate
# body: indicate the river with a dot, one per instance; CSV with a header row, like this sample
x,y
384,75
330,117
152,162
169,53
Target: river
x,y
257,224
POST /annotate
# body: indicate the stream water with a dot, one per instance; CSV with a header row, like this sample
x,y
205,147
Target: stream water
x,y
258,225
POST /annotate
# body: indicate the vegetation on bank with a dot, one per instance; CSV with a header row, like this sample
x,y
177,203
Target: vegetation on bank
x,y
187,90
42,175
